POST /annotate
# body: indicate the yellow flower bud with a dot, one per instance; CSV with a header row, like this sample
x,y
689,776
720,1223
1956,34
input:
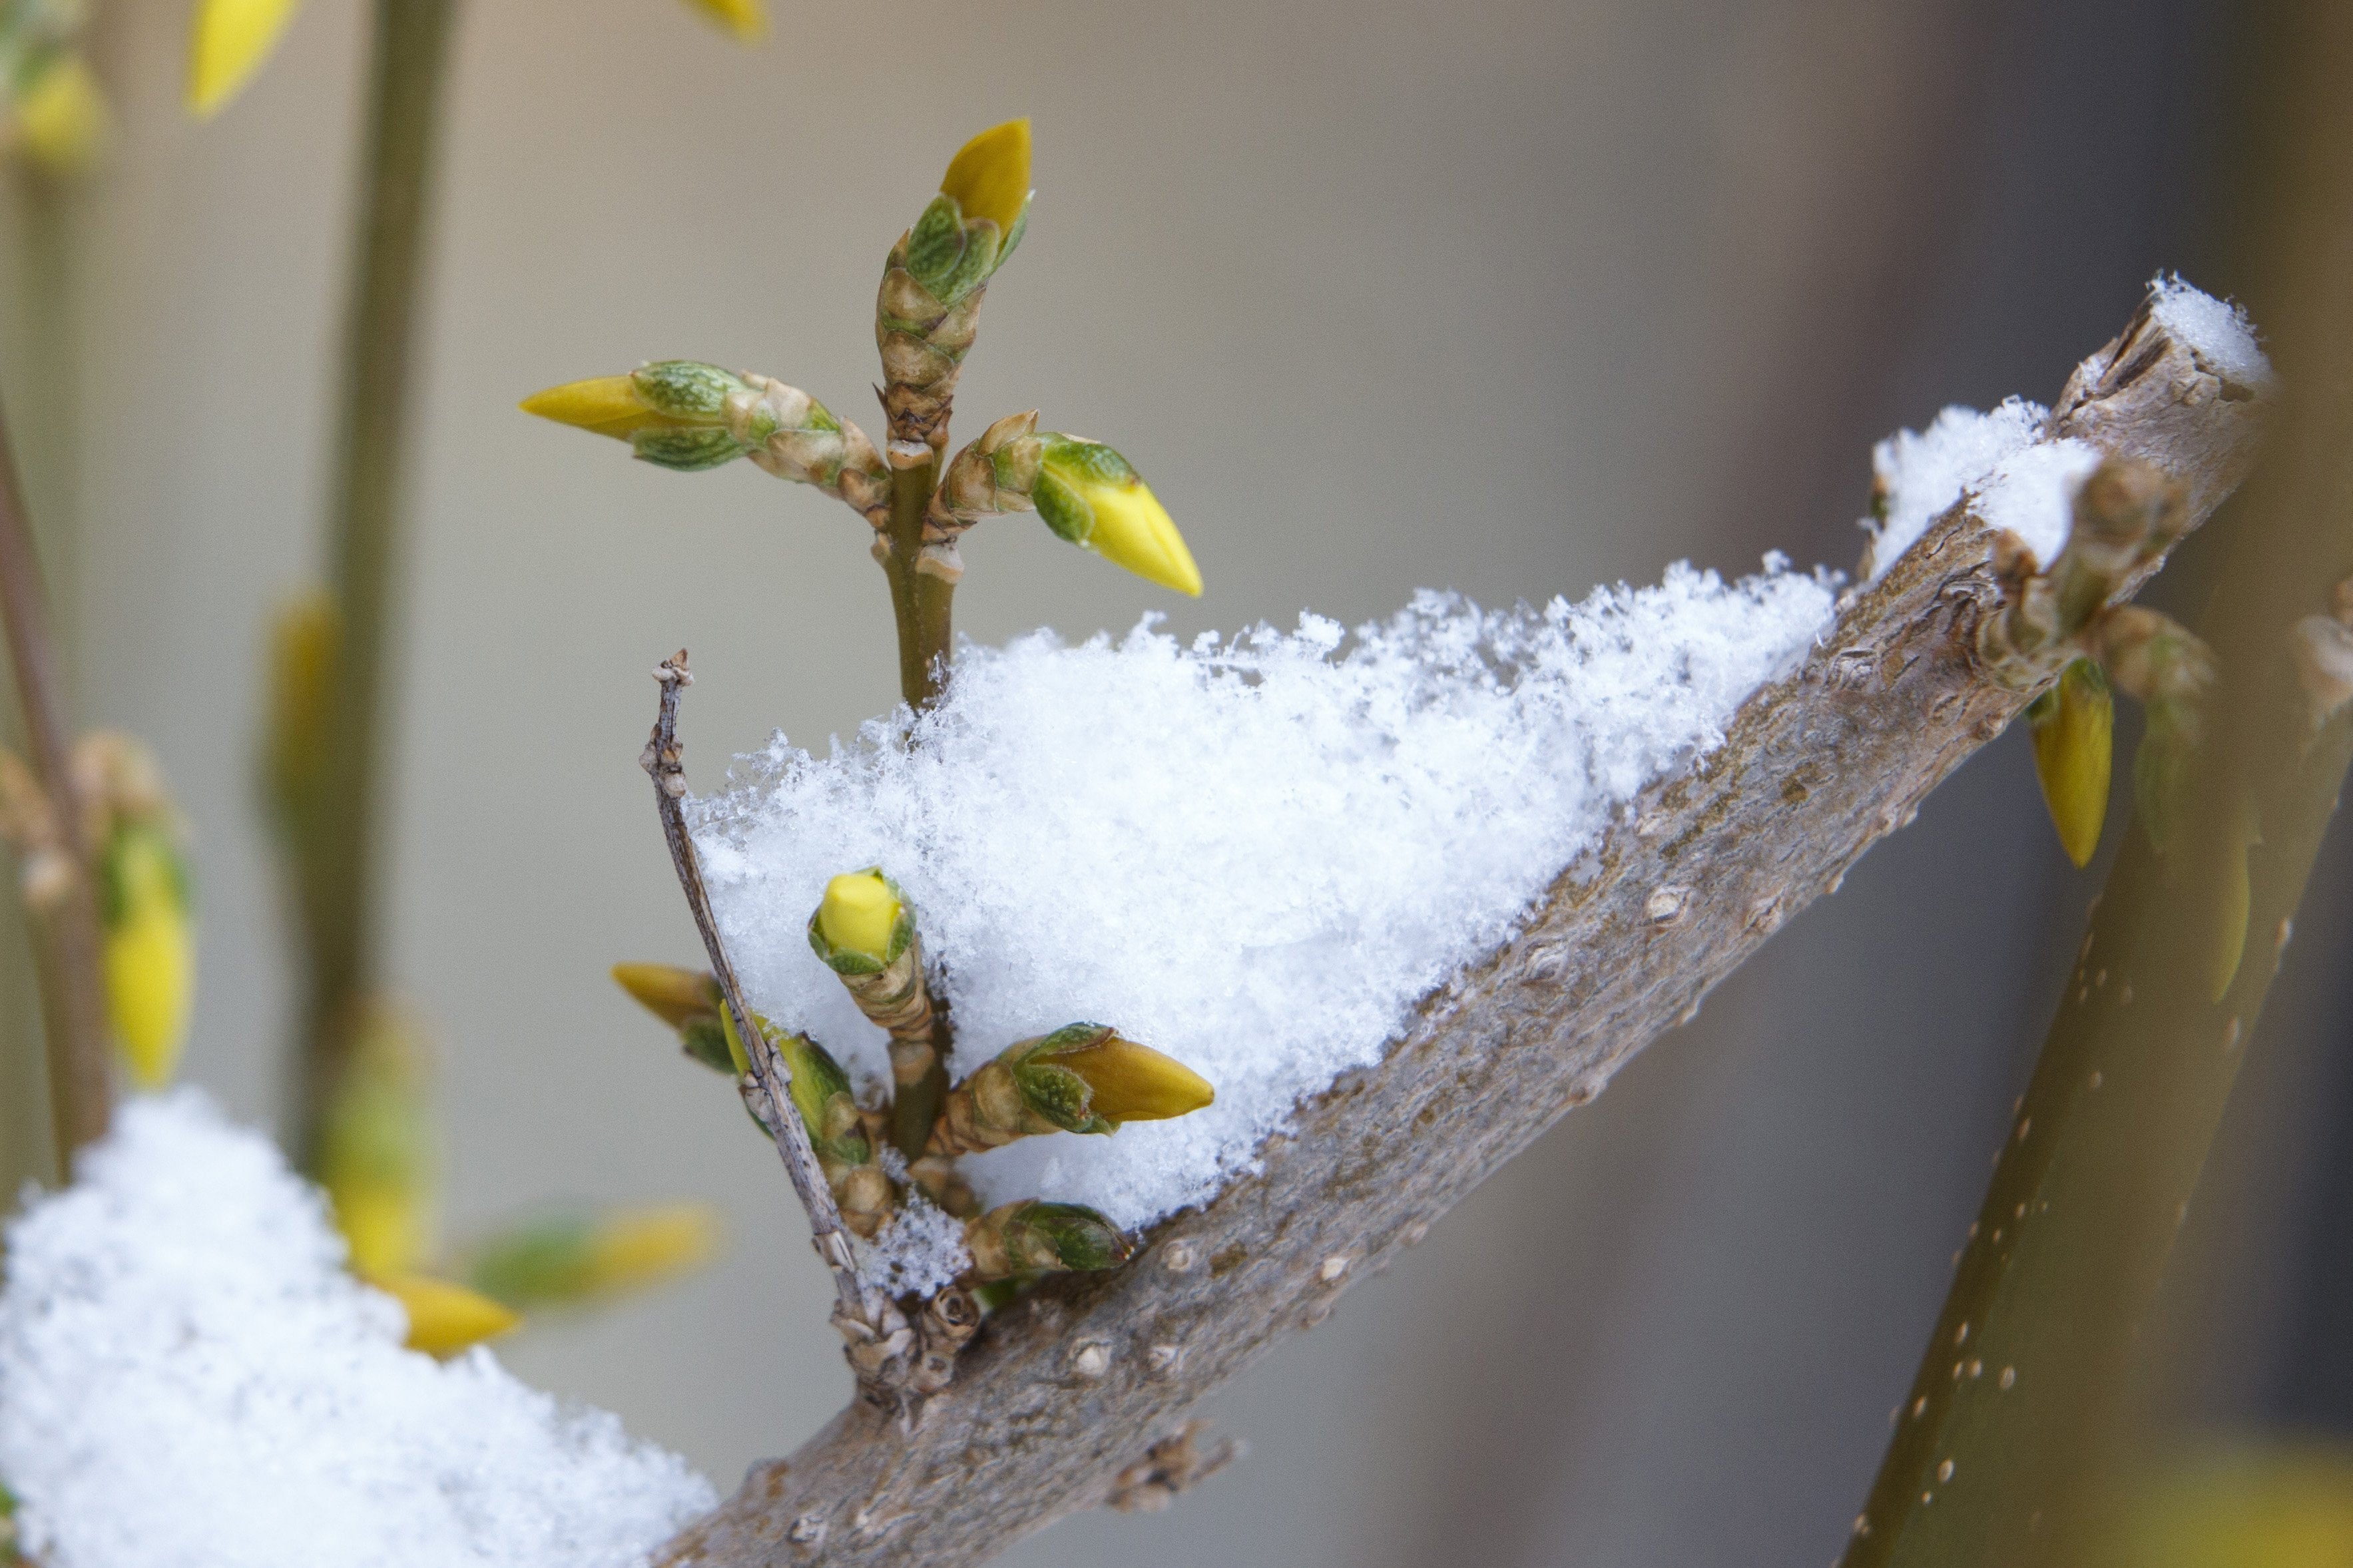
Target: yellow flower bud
x,y
1088,494
443,1318
860,914
376,1152
2074,727
632,1249
989,175
228,43
63,118
1134,1083
747,19
604,404
675,995
150,959
575,1259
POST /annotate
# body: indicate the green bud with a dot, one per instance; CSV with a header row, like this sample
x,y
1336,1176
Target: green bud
x,y
704,1040
1035,1236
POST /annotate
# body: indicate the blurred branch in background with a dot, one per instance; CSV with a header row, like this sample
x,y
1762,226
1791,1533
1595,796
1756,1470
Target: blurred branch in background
x,y
60,885
333,835
2006,1442
53,125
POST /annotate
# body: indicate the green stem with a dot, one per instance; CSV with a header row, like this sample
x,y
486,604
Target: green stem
x,y
340,859
921,602
73,993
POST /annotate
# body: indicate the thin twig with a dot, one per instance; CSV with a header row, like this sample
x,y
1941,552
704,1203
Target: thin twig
x,y
338,864
73,995
663,760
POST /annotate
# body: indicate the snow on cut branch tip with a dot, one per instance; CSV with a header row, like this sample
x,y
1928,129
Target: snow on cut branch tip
x,y
2023,477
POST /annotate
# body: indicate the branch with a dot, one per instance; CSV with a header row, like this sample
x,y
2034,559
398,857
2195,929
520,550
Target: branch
x,y
73,995
1064,1392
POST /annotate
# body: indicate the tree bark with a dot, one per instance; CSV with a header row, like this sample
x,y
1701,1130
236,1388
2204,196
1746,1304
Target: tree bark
x,y
1068,1388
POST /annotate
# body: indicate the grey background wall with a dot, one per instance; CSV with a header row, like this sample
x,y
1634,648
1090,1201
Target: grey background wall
x,y
1515,298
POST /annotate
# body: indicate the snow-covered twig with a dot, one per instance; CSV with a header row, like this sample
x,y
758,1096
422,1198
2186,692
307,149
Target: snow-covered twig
x,y
1069,1390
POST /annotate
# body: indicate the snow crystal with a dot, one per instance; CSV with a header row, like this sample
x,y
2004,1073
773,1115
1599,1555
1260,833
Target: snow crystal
x,y
921,1249
188,1379
1255,855
1921,474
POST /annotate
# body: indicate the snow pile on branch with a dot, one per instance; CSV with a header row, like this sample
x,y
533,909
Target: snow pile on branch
x,y
2020,480
1253,855
188,1379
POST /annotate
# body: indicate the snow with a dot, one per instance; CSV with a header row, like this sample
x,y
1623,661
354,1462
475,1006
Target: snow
x,y
189,1380
1255,855
921,1249
2219,333
1920,474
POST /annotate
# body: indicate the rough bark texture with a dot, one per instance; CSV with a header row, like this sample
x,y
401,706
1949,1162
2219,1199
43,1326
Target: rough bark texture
x,y
1067,1389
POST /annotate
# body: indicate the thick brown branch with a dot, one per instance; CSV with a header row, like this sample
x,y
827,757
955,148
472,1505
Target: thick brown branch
x,y
1066,1391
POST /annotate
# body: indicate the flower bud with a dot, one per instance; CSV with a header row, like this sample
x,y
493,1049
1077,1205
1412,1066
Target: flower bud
x,y
227,45
678,413
377,1156
1038,1237
747,19
62,116
687,1000
862,926
2074,726
973,225
677,997
1085,1075
150,960
443,1318
575,1258
1086,492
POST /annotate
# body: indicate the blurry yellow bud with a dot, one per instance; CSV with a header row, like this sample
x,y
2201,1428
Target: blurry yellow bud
x,y
1136,1083
860,914
989,175
747,19
2074,726
2233,896
230,40
573,1259
376,1153
2265,1504
675,995
305,640
632,1249
1088,494
63,118
443,1318
151,962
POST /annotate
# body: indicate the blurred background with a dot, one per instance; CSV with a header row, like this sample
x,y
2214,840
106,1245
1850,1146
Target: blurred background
x,y
1517,298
